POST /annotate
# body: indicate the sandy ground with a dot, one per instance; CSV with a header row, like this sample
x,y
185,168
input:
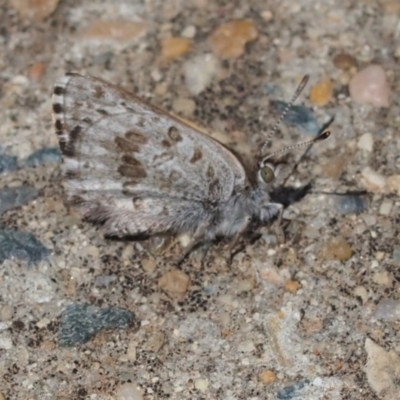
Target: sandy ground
x,y
315,317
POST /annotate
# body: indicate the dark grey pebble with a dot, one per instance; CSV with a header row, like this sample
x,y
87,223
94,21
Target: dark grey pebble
x,y
21,245
350,204
7,163
298,116
46,155
16,197
292,391
80,322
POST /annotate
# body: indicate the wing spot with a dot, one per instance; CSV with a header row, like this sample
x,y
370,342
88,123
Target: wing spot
x,y
136,137
132,168
102,112
59,90
174,134
98,92
87,120
57,108
165,143
126,145
197,155
174,176
210,172
59,126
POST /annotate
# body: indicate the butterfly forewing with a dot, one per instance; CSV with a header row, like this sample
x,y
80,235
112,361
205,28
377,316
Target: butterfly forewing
x,y
133,164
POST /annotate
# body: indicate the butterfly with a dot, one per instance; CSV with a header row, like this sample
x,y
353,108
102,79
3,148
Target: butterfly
x,y
143,172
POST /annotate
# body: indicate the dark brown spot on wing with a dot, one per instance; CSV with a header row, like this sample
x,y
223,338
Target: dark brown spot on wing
x,y
68,147
174,134
210,172
57,108
126,145
102,112
75,134
132,168
98,92
59,90
174,176
165,143
197,155
136,137
59,126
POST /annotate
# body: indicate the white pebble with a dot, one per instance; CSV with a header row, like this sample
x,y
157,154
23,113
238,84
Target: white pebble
x,y
201,384
246,347
129,391
189,32
386,207
366,142
199,72
372,180
6,342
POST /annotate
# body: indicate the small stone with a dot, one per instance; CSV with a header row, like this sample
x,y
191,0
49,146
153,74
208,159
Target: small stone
x,y
246,347
16,197
350,204
267,377
298,116
383,278
396,255
382,370
337,248
229,39
334,167
6,342
386,207
35,10
366,142
388,310
292,286
6,312
201,384
199,72
189,32
174,47
321,93
372,180
361,292
176,283
267,15
131,352
183,106
43,323
292,391
128,391
344,61
393,184
80,322
149,265
47,155
36,71
116,31
155,342
370,86
21,245
7,163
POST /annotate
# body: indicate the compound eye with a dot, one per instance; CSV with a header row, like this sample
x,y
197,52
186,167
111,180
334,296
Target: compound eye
x,y
267,174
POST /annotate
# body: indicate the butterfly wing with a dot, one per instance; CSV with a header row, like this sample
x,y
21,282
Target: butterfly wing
x,y
125,159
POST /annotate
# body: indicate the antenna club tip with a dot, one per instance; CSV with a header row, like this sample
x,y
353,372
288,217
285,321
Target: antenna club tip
x,y
322,136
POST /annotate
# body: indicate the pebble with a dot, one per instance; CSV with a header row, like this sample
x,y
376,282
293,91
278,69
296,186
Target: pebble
x,y
321,93
370,86
34,10
382,370
344,61
388,310
396,254
337,248
6,342
267,377
6,312
386,207
16,197
21,245
36,71
7,163
189,32
372,180
116,31
292,286
298,116
174,47
176,283
334,167
199,72
292,392
201,384
246,347
350,204
383,278
128,391
80,322
229,39
366,142
184,106
47,155
393,184
149,265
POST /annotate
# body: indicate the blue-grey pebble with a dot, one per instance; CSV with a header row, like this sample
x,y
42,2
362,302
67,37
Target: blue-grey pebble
x,y
80,322
298,116
16,197
46,155
351,204
8,163
292,391
21,245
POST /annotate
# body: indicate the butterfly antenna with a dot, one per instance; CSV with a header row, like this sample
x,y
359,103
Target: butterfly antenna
x,y
299,89
322,136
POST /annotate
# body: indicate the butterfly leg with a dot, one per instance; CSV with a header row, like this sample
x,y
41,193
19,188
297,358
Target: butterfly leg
x,y
278,228
233,244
